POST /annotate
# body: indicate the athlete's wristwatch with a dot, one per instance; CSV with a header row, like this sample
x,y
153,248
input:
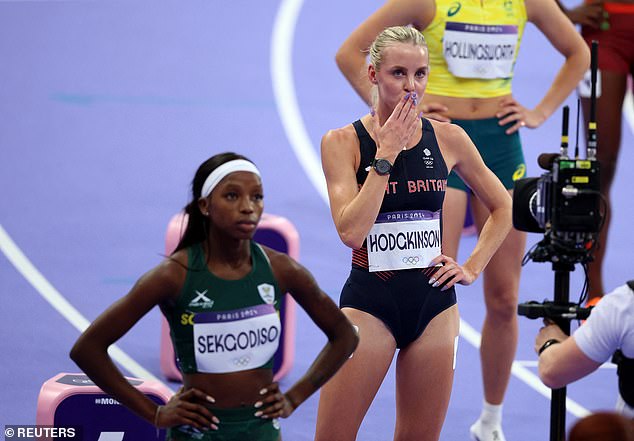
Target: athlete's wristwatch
x,y
382,167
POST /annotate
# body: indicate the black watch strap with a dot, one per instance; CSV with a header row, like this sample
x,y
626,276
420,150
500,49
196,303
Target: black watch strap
x,y
382,167
547,343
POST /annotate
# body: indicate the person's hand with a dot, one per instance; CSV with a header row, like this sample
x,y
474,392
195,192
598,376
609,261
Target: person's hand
x,y
587,14
183,408
274,404
435,111
393,136
547,332
449,273
513,112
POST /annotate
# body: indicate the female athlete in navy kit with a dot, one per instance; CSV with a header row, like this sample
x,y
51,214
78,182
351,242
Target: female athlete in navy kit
x,y
386,176
219,292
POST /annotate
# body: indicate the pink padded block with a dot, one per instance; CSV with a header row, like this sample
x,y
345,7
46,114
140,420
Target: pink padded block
x,y
72,399
273,231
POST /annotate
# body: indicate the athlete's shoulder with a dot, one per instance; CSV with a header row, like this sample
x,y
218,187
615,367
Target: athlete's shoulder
x,y
447,130
288,273
340,135
280,262
339,149
173,269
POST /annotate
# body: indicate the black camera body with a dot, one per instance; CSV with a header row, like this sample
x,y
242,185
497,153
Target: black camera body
x,y
564,204
575,196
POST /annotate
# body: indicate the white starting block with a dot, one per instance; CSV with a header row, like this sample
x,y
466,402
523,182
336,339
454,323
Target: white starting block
x,y
73,401
274,232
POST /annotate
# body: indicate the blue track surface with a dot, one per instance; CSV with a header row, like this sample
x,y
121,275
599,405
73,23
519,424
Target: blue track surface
x,y
107,109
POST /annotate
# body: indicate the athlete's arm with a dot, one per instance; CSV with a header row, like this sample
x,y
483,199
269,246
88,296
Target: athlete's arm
x,y
90,352
351,56
354,211
342,338
563,363
461,154
563,36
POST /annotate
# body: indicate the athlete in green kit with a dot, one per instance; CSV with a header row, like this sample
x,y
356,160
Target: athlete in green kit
x,y
220,293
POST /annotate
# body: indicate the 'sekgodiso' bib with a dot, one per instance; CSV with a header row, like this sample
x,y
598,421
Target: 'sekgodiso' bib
x,y
480,51
404,240
237,340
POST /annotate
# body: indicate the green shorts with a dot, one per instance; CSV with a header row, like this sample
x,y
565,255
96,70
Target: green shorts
x,y
235,425
502,153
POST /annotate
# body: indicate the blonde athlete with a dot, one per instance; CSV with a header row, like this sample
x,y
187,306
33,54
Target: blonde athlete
x,y
386,176
473,46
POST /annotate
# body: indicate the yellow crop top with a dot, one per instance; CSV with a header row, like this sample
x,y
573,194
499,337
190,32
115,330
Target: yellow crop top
x,y
473,45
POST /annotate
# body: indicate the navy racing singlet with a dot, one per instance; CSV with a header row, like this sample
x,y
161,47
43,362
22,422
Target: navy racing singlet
x,y
407,231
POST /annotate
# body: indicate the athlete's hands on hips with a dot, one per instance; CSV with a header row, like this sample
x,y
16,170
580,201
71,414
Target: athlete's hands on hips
x,y
393,136
184,408
274,404
587,14
513,112
435,111
450,273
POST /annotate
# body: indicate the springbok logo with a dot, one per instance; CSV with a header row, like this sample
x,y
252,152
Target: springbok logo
x,y
267,292
201,300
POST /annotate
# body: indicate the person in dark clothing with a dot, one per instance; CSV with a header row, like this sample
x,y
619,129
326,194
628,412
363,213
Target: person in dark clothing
x,y
386,176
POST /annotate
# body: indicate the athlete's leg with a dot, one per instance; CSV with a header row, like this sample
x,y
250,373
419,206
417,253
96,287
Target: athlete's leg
x,y
609,119
424,376
345,399
501,280
454,210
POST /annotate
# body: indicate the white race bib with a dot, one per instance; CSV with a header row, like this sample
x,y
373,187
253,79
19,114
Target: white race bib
x,y
480,51
237,340
403,240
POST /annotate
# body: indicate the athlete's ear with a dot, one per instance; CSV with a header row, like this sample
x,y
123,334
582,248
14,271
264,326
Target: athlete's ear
x,y
372,74
203,206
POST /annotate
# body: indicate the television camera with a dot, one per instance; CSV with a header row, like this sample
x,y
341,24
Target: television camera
x,y
566,205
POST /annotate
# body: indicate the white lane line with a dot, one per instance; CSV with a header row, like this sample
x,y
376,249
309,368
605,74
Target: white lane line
x,y
284,91
286,101
59,303
472,336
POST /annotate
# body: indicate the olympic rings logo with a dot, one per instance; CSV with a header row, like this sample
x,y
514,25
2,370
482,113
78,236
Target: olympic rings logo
x,y
411,260
242,361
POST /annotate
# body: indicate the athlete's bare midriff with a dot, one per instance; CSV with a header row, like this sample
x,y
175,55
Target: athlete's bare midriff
x,y
467,108
234,389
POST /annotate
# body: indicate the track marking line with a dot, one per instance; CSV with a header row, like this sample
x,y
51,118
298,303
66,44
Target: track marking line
x,y
24,266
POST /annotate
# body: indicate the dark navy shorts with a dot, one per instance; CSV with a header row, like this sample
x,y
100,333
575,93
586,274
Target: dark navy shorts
x,y
406,302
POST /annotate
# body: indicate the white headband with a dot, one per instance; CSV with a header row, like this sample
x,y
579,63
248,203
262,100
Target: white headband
x,y
220,172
